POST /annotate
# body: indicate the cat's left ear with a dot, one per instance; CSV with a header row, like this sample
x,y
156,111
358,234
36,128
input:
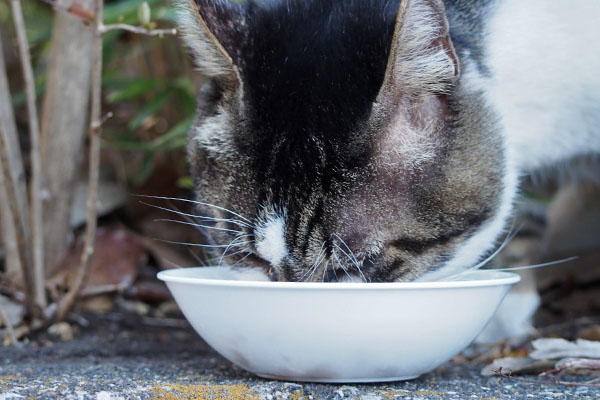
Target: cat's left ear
x,y
214,30
422,57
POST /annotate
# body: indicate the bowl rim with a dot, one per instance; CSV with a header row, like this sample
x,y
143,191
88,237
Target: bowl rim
x,y
500,278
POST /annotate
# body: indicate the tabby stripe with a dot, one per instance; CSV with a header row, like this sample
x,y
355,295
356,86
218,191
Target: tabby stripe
x,y
419,246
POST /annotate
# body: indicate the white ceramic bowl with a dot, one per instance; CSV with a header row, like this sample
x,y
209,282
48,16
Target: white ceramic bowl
x,y
336,332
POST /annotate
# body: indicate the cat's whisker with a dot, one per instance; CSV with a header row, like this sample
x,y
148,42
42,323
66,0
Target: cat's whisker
x,y
312,275
318,260
506,241
351,255
353,260
201,217
207,237
197,258
339,263
197,225
307,274
311,272
231,244
363,277
213,246
172,263
200,203
533,266
238,252
241,259
325,271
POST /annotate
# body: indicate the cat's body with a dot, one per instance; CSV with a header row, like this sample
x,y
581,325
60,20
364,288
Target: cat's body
x,y
351,145
538,67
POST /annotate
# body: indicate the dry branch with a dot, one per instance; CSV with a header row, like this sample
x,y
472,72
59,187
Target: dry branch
x,y
13,209
139,30
66,303
7,123
35,196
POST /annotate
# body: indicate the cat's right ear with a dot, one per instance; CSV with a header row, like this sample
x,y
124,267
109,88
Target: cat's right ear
x,y
422,57
213,30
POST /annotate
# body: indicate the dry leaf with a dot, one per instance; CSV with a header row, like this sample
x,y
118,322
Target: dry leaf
x,y
117,259
14,311
83,13
549,348
152,291
101,303
590,333
577,364
62,330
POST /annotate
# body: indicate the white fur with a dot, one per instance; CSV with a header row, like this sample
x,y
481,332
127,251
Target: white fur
x,y
544,58
512,319
270,239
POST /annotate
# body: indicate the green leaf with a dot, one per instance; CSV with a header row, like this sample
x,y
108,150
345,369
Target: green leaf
x,y
127,9
150,109
144,13
18,99
176,137
145,171
134,90
185,182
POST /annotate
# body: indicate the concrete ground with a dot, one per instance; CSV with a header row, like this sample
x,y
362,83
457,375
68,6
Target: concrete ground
x,y
130,357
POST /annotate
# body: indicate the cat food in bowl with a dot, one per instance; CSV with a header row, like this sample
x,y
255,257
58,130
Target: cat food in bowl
x,y
336,332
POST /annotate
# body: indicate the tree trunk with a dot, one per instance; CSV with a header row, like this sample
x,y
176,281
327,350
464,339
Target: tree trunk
x,y
64,126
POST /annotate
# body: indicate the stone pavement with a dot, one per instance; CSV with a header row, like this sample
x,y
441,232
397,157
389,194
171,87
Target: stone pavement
x,y
130,357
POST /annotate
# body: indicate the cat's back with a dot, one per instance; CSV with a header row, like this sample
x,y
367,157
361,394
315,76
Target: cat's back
x,y
544,62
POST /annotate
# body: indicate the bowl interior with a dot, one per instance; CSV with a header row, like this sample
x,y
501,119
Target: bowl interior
x,y
247,277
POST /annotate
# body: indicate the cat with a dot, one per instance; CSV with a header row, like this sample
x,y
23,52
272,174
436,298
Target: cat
x,y
381,140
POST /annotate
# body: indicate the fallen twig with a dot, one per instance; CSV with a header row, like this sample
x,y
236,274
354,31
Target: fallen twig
x,y
104,289
554,381
35,197
574,364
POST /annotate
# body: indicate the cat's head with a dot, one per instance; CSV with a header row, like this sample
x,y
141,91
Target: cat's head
x,y
336,139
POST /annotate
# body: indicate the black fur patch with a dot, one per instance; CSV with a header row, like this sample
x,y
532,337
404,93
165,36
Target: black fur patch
x,y
311,70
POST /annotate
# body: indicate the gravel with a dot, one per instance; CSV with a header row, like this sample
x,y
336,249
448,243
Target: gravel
x,y
128,357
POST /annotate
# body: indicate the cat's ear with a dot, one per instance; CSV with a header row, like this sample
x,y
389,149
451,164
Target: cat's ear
x,y
422,56
213,30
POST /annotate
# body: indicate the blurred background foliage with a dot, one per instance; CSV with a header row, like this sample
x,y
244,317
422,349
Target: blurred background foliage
x,y
147,82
